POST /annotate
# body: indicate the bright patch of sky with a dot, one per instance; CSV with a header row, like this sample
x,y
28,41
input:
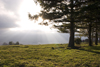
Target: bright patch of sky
x,y
28,6
15,24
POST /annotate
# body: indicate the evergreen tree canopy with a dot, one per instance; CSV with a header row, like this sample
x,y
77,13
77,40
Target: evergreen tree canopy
x,y
67,14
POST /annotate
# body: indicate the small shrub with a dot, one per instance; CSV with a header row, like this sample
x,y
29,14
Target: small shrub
x,y
78,41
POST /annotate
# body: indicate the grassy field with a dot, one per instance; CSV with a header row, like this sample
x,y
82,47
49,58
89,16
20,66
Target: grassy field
x,y
54,55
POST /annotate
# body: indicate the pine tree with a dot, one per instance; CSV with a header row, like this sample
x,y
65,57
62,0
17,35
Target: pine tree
x,y
61,11
66,14
91,14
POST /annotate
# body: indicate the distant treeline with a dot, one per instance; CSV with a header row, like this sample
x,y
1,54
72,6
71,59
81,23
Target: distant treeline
x,y
12,43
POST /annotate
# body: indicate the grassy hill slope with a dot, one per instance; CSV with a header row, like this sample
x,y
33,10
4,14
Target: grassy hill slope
x,y
49,56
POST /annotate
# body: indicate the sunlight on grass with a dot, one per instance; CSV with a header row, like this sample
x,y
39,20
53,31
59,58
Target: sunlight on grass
x,y
49,56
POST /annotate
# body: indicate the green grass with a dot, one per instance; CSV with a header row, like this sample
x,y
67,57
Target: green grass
x,y
46,56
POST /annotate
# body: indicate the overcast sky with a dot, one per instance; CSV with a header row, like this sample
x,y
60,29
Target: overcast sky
x,y
15,24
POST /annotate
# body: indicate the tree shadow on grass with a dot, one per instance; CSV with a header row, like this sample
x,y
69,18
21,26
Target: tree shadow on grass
x,y
93,49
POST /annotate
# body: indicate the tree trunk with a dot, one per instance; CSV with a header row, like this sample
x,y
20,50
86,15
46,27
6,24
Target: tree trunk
x,y
92,37
90,43
71,39
96,36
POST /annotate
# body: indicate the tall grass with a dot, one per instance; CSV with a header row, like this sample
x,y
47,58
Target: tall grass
x,y
53,55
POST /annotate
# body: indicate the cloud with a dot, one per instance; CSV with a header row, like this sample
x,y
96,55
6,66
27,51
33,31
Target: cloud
x,y
12,5
9,13
7,22
9,18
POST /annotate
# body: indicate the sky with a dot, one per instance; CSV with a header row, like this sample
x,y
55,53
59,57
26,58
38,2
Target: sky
x,y
15,24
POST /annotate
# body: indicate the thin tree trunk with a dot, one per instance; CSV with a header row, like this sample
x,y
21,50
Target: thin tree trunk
x,y
96,36
90,43
71,39
92,37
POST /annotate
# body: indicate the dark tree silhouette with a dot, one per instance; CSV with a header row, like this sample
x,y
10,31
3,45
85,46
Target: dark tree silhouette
x,y
61,11
69,13
17,43
11,43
